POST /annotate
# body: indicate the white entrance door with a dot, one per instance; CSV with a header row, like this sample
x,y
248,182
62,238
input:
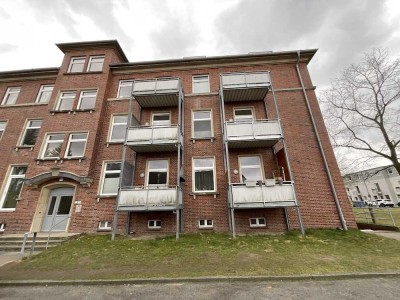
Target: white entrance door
x,y
58,209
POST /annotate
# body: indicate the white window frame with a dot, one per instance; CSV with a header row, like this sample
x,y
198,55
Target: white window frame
x,y
72,62
26,128
251,166
104,172
104,226
9,177
238,119
194,168
2,130
48,141
43,91
199,80
62,96
13,90
205,223
258,224
91,58
211,123
155,170
71,140
82,96
2,227
154,224
111,130
154,123
123,84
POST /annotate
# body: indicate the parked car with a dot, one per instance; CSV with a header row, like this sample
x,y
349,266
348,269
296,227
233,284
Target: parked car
x,y
384,203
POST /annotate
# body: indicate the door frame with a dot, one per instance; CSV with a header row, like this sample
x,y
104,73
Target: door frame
x,y
43,202
58,193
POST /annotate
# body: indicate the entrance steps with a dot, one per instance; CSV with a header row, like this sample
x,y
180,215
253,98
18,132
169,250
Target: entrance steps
x,y
13,242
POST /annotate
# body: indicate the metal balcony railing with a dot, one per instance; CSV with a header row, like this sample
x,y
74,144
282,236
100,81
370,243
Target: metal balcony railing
x,y
157,92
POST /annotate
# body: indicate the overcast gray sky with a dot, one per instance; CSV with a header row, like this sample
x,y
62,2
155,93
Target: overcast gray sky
x,y
150,30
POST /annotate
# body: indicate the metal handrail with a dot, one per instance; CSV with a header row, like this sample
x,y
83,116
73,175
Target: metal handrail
x,y
52,226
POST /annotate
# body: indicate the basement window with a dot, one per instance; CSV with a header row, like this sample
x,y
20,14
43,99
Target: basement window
x,y
104,226
257,222
2,227
154,224
205,223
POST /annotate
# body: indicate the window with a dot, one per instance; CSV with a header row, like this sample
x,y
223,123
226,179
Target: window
x,y
358,189
200,84
53,146
11,95
44,94
118,128
104,225
204,223
203,169
87,100
387,197
154,224
31,132
202,124
66,101
2,128
76,65
257,222
2,227
250,168
13,188
159,119
95,64
157,172
76,145
378,188
125,88
110,182
243,114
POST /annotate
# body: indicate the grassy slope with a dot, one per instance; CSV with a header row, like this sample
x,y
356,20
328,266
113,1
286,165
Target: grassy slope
x,y
320,252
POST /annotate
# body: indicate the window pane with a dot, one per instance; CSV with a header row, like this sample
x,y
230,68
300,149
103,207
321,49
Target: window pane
x,y
65,205
13,192
111,183
88,103
56,137
252,174
157,178
30,137
66,104
96,64
204,162
113,167
118,132
202,128
51,206
125,88
11,98
249,161
121,119
158,164
76,148
77,65
204,180
18,170
201,115
53,150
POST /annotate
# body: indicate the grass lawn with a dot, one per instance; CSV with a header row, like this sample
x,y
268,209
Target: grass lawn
x,y
382,215
320,252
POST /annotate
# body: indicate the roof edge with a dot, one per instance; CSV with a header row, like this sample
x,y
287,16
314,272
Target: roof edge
x,y
29,72
93,44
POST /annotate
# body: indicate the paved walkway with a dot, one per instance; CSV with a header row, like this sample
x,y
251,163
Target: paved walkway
x,y
388,234
7,257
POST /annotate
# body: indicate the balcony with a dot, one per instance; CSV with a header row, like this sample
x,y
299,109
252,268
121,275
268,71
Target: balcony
x,y
153,138
245,86
262,194
140,198
157,92
262,133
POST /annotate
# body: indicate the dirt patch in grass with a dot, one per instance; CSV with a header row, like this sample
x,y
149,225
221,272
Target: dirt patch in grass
x,y
319,252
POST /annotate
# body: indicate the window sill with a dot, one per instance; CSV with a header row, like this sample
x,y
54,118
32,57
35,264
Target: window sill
x,y
104,230
201,94
195,194
211,138
114,143
58,159
82,73
71,111
23,104
106,196
17,148
205,228
7,209
118,99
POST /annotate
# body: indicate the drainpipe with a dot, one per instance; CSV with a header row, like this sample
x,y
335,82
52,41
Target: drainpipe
x,y
333,189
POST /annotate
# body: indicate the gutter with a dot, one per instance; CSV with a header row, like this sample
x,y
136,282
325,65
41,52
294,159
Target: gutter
x,y
333,189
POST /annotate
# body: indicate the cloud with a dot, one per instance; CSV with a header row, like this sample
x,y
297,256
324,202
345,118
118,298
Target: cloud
x,y
342,30
4,14
4,48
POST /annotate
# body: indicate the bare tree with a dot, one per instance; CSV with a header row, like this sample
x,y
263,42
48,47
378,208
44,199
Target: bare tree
x,y
362,107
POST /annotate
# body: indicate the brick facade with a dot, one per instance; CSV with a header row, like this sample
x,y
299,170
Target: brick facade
x,y
314,195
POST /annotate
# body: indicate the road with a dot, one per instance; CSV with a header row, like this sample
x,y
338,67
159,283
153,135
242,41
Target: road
x,y
375,288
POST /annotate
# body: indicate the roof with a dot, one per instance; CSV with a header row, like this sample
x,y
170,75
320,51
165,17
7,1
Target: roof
x,y
93,45
23,74
282,56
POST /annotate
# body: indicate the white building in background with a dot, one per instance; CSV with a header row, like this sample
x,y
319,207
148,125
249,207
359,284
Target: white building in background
x,y
373,184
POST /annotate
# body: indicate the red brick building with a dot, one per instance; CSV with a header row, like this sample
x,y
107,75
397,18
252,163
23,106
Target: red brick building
x,y
229,143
